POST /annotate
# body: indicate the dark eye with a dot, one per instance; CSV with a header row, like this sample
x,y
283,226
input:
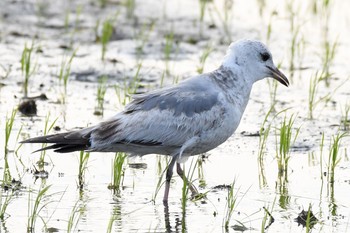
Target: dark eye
x,y
265,56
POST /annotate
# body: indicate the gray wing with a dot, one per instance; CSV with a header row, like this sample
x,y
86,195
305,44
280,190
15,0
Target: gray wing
x,y
166,117
186,100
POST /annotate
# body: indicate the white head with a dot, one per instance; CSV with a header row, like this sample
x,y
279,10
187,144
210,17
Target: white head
x,y
255,59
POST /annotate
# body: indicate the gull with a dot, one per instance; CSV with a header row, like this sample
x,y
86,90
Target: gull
x,y
187,119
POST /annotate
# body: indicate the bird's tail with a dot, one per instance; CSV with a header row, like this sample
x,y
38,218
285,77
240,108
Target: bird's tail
x,y
65,142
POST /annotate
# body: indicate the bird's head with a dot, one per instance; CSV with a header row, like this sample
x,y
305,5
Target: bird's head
x,y
253,57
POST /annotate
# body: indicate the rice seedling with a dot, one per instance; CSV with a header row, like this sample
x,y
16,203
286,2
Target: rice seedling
x,y
162,79
310,220
83,160
334,155
202,9
286,139
118,171
47,129
313,88
225,19
327,60
142,37
313,92
321,156
263,135
201,179
8,130
269,216
135,81
160,172
124,92
187,184
27,67
272,92
107,30
75,216
6,73
34,210
203,58
116,215
66,20
100,96
230,205
295,32
261,4
103,3
168,47
130,8
77,21
269,26
64,72
345,121
41,8
4,203
301,46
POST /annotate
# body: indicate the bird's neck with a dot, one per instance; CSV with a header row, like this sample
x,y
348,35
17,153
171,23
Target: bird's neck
x,y
236,87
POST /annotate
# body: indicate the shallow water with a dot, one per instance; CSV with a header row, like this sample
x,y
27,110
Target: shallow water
x,y
133,209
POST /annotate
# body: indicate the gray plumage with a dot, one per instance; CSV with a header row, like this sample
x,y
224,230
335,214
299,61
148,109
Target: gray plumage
x,y
187,119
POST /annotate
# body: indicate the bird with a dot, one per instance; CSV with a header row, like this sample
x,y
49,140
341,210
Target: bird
x,y
186,119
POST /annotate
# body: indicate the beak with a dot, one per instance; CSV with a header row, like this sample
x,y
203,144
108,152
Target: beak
x,y
278,75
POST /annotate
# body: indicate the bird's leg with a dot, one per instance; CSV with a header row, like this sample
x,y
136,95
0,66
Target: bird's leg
x,y
180,172
169,174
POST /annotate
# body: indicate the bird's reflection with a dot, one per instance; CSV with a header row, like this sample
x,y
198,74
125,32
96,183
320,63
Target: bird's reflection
x,y
179,221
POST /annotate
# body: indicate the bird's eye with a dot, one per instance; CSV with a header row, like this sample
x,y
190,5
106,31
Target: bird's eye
x,y
265,56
